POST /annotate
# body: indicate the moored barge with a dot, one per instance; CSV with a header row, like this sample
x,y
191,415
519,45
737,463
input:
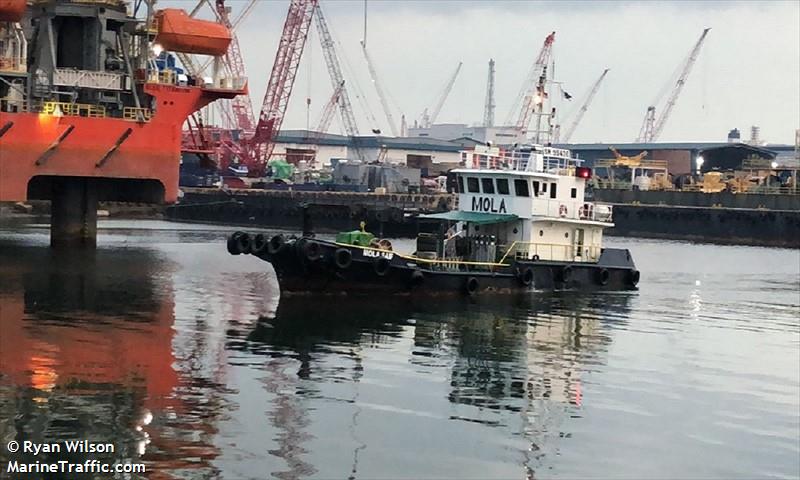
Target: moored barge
x,y
522,223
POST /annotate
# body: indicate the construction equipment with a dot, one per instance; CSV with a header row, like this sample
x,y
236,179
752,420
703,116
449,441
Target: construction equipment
x,y
327,113
626,161
428,120
532,93
337,80
259,147
582,110
379,89
489,104
241,105
652,125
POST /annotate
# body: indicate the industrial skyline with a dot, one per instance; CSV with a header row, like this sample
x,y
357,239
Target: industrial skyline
x,y
748,73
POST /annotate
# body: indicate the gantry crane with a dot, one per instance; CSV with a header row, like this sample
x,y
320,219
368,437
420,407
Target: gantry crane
x,y
337,81
428,120
530,96
582,110
652,126
489,104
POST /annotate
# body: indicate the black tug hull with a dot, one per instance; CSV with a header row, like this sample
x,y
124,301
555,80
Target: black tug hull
x,y
306,265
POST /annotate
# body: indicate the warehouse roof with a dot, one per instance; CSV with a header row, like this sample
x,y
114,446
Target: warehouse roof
x,y
405,143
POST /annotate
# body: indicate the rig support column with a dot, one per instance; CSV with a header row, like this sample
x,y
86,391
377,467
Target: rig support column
x,y
73,217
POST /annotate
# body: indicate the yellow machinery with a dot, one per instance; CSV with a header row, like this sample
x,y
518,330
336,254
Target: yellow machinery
x,y
625,161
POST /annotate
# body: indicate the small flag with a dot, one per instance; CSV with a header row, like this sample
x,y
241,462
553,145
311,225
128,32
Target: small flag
x,y
566,95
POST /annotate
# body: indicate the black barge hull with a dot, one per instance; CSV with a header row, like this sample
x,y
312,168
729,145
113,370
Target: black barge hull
x,y
307,265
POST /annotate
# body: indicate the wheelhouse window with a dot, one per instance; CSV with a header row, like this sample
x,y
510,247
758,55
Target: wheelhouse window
x,y
502,186
521,188
544,187
472,185
488,185
535,188
460,184
573,193
552,190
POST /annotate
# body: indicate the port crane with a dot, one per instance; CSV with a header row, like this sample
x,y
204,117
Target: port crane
x,y
337,80
652,125
532,94
489,104
379,89
428,120
581,111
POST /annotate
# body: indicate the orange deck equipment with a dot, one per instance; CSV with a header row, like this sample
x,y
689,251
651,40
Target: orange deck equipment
x,y
178,32
12,10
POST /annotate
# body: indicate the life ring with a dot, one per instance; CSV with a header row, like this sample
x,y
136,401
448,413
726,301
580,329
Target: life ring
x,y
343,257
259,244
562,210
566,274
471,286
275,245
526,277
634,277
233,241
603,276
417,278
535,258
381,266
312,251
243,243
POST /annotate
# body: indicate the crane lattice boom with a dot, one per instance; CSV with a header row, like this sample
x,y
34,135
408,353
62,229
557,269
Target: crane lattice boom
x,y
281,80
241,105
327,112
443,97
381,95
524,101
652,125
337,78
489,105
584,107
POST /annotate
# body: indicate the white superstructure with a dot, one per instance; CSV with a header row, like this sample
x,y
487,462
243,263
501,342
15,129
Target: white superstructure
x,y
536,194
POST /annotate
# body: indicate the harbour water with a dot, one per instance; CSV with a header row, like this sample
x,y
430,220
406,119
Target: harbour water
x,y
185,357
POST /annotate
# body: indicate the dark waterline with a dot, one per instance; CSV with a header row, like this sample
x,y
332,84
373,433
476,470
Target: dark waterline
x,y
184,357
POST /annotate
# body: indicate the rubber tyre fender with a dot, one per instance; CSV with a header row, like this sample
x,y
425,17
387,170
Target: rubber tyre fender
x,y
471,286
526,276
233,241
259,244
417,278
276,244
311,251
566,274
381,266
634,277
342,258
244,243
535,258
603,275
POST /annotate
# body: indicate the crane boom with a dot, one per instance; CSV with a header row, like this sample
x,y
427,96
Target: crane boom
x,y
337,79
531,79
653,126
584,107
327,112
533,97
445,93
489,105
241,105
281,80
381,96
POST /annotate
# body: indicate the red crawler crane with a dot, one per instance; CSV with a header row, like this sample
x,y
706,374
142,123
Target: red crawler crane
x,y
259,147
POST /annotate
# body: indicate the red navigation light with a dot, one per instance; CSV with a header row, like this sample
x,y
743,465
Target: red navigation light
x,y
583,172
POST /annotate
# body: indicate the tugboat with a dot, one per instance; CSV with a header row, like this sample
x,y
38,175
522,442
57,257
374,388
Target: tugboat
x,y
522,223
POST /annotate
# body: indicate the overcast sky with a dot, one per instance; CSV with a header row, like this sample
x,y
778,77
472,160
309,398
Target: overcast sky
x,y
748,72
